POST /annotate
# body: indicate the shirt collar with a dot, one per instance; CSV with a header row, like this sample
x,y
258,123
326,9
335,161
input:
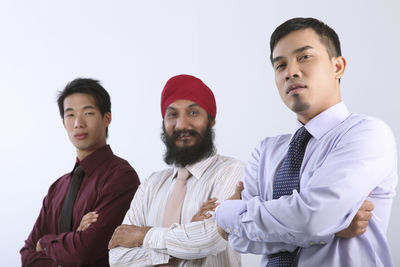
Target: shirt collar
x,y
197,169
325,121
94,160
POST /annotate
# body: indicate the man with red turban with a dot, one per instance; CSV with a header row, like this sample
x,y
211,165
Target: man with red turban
x,y
171,220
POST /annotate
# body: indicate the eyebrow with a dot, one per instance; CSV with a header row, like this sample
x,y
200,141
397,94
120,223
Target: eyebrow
x,y
298,50
85,107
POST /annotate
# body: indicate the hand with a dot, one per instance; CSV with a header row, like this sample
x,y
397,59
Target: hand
x,y
359,224
238,191
87,220
203,214
38,246
129,236
236,195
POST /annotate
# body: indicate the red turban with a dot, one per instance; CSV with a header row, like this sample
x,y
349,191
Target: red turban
x,y
189,88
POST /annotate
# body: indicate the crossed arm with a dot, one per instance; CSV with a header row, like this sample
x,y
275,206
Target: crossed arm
x,y
327,204
87,244
156,245
357,227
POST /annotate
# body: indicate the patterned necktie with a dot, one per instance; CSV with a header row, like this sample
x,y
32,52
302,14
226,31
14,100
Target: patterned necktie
x,y
69,201
172,213
287,180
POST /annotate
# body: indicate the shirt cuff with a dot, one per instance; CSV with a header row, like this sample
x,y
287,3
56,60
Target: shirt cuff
x,y
155,243
155,238
45,242
227,215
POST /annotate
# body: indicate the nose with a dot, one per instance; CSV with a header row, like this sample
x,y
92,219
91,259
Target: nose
x,y
292,71
182,123
79,122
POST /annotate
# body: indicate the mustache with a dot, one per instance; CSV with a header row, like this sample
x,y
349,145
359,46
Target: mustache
x,y
179,133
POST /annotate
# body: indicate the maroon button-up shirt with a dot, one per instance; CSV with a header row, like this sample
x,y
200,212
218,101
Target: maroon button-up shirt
x,y
107,188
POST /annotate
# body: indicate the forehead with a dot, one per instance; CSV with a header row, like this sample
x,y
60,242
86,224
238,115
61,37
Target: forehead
x,y
297,39
79,100
183,104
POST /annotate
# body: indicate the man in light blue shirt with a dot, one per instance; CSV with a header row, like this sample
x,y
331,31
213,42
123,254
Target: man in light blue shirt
x,y
349,158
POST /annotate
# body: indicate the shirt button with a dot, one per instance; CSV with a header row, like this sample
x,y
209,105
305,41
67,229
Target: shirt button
x,y
228,230
44,249
235,231
322,243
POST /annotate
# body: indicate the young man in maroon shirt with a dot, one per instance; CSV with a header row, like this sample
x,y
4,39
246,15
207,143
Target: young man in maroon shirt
x,y
102,195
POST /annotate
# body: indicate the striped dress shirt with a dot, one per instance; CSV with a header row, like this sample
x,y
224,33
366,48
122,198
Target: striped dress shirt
x,y
191,243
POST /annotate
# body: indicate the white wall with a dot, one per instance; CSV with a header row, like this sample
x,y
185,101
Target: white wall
x,y
133,47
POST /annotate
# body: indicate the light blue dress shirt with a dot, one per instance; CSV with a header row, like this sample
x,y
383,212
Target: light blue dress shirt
x,y
350,158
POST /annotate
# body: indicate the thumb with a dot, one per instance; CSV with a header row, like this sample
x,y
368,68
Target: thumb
x,y
238,190
239,187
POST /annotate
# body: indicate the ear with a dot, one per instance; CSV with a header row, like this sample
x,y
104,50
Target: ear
x,y
340,66
213,123
107,119
63,123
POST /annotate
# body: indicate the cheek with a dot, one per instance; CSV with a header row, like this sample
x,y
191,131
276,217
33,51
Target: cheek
x,y
169,128
68,125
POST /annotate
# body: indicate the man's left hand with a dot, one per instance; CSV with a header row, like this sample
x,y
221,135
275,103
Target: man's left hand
x,y
129,236
38,246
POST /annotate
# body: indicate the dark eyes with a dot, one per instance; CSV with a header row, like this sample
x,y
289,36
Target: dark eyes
x,y
280,66
303,57
193,113
171,114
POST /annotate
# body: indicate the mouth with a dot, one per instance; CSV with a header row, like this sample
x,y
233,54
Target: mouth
x,y
81,136
184,136
295,88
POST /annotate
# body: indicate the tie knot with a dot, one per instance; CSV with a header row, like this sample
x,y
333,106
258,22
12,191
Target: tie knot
x,y
79,171
302,136
183,174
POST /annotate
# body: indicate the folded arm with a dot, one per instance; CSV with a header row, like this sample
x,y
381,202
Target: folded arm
x,y
327,205
191,240
84,247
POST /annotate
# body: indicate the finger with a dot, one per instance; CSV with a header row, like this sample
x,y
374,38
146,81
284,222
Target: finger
x,y
208,206
239,186
208,202
367,205
207,216
111,244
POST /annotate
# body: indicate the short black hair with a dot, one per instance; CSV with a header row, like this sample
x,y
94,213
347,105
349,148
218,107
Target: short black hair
x,y
86,86
328,36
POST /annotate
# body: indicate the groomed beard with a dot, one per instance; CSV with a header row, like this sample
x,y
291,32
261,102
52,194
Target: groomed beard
x,y
182,156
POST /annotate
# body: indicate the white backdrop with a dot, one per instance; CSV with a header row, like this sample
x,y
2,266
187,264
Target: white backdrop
x,y
133,47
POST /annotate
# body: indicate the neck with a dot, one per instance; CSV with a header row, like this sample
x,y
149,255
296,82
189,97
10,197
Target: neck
x,y
81,154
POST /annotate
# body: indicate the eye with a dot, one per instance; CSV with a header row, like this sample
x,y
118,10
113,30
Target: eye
x,y
193,113
304,57
69,115
90,113
280,66
171,115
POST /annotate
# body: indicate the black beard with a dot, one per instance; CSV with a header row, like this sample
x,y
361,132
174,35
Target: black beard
x,y
182,156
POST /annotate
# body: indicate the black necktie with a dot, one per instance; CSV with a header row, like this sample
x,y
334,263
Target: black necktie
x,y
69,201
286,180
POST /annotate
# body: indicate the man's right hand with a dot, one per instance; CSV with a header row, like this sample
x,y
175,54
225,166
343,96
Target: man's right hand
x,y
87,220
359,224
235,196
